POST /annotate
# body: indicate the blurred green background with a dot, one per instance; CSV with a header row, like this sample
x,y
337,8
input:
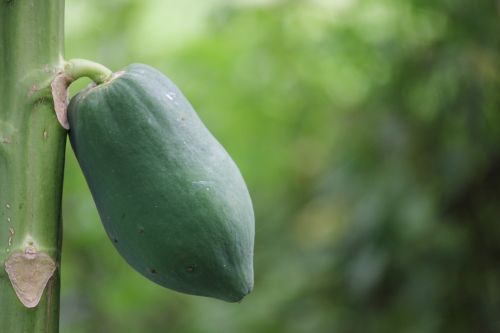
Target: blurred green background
x,y
368,132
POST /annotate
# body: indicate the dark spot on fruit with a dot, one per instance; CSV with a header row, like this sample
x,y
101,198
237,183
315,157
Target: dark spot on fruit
x,y
190,269
115,240
141,230
153,271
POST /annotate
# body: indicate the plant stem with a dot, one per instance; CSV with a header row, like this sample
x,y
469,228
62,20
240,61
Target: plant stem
x,y
32,147
77,68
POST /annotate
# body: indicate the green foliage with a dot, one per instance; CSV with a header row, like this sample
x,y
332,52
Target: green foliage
x,y
368,134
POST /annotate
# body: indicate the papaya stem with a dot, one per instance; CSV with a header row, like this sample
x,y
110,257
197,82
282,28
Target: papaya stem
x,y
77,68
32,146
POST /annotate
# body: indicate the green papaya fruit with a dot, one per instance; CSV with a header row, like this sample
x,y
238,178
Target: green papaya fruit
x,y
169,196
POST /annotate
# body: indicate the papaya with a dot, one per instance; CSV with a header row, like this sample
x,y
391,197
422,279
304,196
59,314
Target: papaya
x,y
171,199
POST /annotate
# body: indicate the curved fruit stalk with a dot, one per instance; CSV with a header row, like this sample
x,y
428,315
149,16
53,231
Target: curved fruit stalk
x,y
73,70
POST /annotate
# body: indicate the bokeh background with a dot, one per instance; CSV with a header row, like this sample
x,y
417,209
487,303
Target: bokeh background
x,y
368,132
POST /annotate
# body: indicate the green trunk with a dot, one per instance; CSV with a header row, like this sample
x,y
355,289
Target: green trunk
x,y
32,147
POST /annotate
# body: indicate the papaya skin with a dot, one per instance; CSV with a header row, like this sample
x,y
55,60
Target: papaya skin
x,y
170,197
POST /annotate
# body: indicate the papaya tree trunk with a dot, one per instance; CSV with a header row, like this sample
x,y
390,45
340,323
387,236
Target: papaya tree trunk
x,y
32,145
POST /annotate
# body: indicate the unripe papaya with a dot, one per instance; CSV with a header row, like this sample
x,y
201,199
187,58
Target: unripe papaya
x,y
168,194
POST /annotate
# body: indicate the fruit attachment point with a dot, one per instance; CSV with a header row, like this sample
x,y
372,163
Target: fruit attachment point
x,y
72,71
